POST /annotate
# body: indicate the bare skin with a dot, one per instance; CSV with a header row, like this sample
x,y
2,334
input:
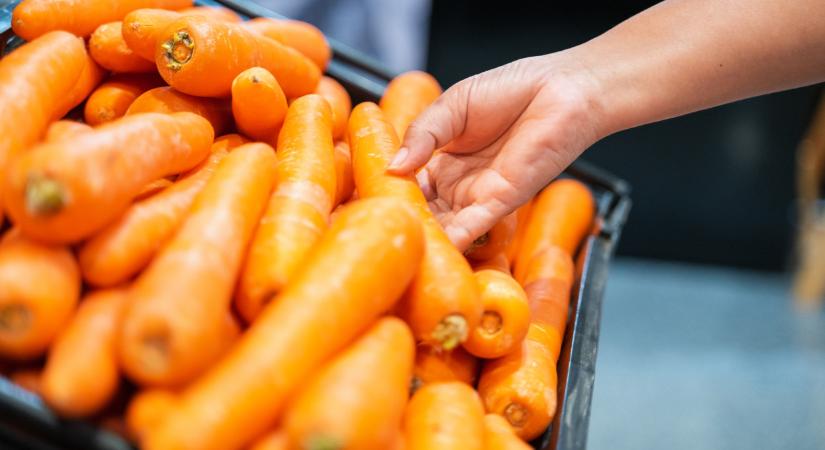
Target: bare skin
x,y
507,132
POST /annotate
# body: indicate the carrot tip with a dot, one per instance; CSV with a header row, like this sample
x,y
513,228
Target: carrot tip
x,y
451,331
516,414
44,196
15,318
178,50
323,442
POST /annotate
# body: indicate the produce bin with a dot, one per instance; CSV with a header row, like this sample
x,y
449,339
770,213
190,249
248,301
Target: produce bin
x,y
26,423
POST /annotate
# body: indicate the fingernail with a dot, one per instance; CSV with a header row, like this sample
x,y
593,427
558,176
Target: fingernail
x,y
399,159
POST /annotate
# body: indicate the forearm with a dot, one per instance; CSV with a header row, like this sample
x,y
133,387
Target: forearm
x,y
685,55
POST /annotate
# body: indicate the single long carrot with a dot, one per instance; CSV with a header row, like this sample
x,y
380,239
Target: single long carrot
x,y
344,184
358,270
167,100
32,18
298,210
407,96
63,129
65,191
302,36
494,241
81,373
369,380
201,57
107,47
274,440
442,305
112,98
179,303
258,104
89,79
506,316
124,247
444,416
548,283
39,289
499,435
340,102
433,365
146,410
522,219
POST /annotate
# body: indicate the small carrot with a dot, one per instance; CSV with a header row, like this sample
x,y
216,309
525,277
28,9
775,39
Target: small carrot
x,y
274,440
107,47
112,98
493,242
213,12
358,270
167,100
65,191
29,379
433,365
32,18
258,104
340,103
201,57
407,96
39,289
548,283
302,36
344,184
81,373
146,410
369,380
522,219
442,305
498,262
444,416
89,79
63,129
124,247
499,435
505,319
298,210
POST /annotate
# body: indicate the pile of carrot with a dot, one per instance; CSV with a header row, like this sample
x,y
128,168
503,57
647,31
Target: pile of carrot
x,y
190,207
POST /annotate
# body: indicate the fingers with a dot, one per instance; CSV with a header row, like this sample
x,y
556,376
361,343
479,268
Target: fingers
x,y
471,222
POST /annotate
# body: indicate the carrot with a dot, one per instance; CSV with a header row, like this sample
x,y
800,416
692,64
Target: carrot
x,y
499,435
39,288
167,100
124,247
274,440
340,103
344,184
201,57
89,79
258,104
64,191
505,319
32,18
112,98
29,379
213,12
548,283
562,214
298,210
444,416
369,380
442,305
81,373
152,188
433,365
63,129
146,410
498,262
358,270
493,242
301,36
107,47
522,219
407,96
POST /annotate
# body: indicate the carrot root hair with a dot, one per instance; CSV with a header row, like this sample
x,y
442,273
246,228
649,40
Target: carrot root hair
x,y
451,331
45,196
178,50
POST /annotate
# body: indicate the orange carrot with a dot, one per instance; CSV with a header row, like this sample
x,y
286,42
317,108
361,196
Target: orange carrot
x,y
298,210
213,12
340,103
301,36
358,270
433,365
442,305
152,188
407,96
499,435
522,219
343,173
505,319
29,379
32,18
369,380
498,262
124,247
65,191
258,104
493,242
112,98
548,283
274,440
444,416
147,410
39,288
81,374
89,79
167,100
63,129
107,47
199,56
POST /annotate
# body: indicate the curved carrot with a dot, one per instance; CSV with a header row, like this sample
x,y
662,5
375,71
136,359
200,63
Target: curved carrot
x,y
179,304
32,18
444,416
498,262
107,47
433,365
494,241
406,97
213,12
377,368
274,440
146,410
201,57
39,288
112,98
505,319
81,373
298,210
356,273
167,100
63,129
258,104
442,304
29,379
522,219
89,79
65,191
344,184
301,36
126,246
499,435
340,103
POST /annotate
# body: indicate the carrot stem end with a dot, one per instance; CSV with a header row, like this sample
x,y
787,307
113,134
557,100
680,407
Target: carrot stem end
x,y
44,196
